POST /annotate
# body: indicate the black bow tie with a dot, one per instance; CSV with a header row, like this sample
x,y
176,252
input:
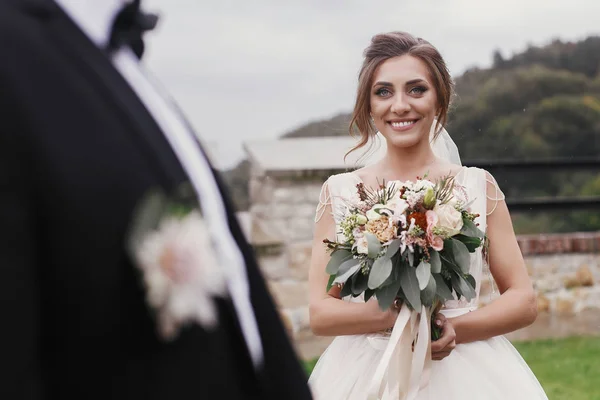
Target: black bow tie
x,y
129,26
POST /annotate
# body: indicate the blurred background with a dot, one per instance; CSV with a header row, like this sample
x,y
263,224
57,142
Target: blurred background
x,y
269,86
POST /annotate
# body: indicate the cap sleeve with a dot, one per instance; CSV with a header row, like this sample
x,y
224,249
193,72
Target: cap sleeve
x,y
324,201
493,193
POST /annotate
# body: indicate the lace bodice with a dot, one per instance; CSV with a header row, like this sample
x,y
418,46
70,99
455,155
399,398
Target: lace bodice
x,y
480,187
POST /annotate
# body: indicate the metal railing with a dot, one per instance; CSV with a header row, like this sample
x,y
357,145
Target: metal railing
x,y
544,203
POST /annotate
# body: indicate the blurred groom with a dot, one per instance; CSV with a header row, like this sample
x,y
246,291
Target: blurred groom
x,y
116,282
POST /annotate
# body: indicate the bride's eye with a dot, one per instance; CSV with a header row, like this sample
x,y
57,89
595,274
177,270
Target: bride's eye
x,y
383,92
418,90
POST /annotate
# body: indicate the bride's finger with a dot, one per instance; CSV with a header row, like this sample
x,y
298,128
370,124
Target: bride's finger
x,y
448,337
440,355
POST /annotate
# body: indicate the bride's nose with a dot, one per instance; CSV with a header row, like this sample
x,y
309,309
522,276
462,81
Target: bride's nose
x,y
400,104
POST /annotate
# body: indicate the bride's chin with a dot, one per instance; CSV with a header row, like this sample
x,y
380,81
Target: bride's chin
x,y
402,140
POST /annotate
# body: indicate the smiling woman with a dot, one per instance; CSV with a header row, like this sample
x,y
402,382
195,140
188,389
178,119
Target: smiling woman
x,y
386,353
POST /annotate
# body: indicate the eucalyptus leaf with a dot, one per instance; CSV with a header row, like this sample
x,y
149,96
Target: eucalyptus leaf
x,y
472,243
337,258
436,263
353,268
330,283
442,289
368,294
380,271
470,229
387,294
463,287
410,286
392,248
359,283
411,258
423,274
428,294
374,246
471,281
461,255
346,290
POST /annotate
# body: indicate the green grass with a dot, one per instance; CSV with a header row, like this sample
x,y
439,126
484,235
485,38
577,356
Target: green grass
x,y
568,369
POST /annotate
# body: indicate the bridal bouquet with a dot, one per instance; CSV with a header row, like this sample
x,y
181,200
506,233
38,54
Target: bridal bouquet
x,y
406,240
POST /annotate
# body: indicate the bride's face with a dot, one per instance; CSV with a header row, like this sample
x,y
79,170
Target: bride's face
x,y
403,101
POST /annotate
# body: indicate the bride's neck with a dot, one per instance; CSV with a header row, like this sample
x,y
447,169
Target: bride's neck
x,y
408,162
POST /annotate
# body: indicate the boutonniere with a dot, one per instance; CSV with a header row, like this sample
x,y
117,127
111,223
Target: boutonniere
x,y
170,244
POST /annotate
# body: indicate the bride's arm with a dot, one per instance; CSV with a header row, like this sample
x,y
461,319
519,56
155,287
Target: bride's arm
x,y
329,315
517,306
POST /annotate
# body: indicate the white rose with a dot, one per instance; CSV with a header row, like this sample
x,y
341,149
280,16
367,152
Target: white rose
x,y
449,219
397,205
362,246
372,214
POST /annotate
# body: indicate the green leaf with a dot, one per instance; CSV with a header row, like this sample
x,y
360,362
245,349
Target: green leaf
x,y
428,294
330,283
373,244
470,229
423,274
368,294
346,290
387,294
337,258
462,287
392,248
359,283
461,255
411,258
410,286
471,281
347,269
436,263
456,255
380,271
442,289
472,243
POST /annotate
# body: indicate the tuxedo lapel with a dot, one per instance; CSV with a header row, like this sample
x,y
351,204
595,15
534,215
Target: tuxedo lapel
x,y
95,63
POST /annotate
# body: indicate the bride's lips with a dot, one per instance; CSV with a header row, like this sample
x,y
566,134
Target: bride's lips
x,y
402,125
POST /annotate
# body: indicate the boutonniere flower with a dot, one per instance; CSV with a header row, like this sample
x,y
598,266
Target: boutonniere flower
x,y
171,246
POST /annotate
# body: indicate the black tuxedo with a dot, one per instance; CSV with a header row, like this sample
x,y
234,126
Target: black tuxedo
x,y
77,152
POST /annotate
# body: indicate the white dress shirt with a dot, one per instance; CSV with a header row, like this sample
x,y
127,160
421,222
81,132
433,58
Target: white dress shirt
x,y
95,19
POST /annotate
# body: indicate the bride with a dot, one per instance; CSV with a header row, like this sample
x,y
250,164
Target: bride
x,y
404,93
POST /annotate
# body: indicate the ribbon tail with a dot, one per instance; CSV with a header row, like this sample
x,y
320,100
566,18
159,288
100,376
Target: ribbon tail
x,y
421,363
400,334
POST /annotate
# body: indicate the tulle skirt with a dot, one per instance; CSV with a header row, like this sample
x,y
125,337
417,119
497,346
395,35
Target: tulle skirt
x,y
485,370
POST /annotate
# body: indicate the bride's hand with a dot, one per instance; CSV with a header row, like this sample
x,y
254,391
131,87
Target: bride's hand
x,y
442,347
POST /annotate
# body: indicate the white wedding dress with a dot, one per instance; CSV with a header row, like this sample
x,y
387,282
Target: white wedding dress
x,y
485,370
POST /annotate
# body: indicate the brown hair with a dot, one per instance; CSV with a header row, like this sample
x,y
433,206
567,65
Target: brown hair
x,y
394,44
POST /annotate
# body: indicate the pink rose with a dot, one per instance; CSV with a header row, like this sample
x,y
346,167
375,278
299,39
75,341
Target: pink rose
x,y
436,242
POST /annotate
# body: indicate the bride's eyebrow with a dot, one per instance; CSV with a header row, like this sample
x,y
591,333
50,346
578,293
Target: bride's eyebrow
x,y
415,81
408,83
382,83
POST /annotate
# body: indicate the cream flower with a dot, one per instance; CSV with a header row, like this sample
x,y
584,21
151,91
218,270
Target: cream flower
x,y
449,219
181,274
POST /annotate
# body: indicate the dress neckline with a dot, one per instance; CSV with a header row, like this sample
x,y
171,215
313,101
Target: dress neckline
x,y
355,175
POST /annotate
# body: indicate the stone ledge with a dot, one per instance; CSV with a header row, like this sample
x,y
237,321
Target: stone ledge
x,y
577,242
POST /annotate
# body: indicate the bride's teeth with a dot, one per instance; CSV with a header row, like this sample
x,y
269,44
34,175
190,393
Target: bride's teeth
x,y
400,124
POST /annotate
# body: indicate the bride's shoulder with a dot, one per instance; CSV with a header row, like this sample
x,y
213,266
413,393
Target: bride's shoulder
x,y
343,177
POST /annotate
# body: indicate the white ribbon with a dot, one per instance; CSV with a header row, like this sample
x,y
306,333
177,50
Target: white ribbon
x,y
401,372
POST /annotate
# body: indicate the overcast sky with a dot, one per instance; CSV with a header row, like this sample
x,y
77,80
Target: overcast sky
x,y
253,70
